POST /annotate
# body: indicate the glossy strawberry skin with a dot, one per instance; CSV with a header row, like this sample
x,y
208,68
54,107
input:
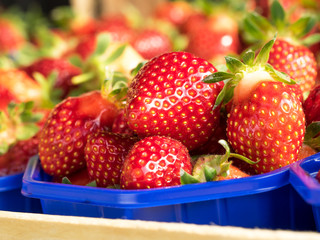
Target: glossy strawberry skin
x,y
269,126
167,97
295,60
104,154
150,43
233,173
63,138
155,162
65,71
311,105
15,160
120,124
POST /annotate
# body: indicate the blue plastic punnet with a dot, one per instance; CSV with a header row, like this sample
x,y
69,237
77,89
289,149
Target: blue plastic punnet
x,y
11,198
302,178
264,201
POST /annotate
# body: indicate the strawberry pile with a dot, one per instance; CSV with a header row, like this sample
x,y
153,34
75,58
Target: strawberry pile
x,y
195,92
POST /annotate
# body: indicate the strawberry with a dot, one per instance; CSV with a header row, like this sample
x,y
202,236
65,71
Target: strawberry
x,y
176,13
65,72
17,85
266,122
16,158
289,53
220,29
311,105
215,167
120,124
154,162
80,177
150,43
6,97
11,38
167,97
306,151
63,138
104,154
18,136
295,60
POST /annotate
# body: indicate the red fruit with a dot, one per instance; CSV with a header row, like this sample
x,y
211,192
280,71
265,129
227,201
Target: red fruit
x,y
306,151
311,106
80,177
63,138
104,154
233,173
120,124
295,60
16,158
65,71
151,43
220,30
155,162
86,47
167,97
268,126
176,12
11,38
119,31
5,98
17,85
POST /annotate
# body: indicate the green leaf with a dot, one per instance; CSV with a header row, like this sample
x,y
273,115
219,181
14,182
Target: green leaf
x,y
302,26
135,71
248,57
279,76
103,41
76,61
234,64
92,184
115,55
82,78
186,178
310,40
252,29
4,147
263,55
312,137
66,180
210,173
218,77
26,131
277,14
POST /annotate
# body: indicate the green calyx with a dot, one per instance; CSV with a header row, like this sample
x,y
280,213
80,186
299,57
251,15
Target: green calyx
x,y
209,167
19,123
237,70
312,136
258,29
95,68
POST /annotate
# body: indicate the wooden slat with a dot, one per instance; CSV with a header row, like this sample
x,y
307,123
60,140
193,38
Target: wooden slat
x,y
40,226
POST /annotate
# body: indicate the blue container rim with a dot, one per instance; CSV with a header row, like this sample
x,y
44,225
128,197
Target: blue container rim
x,y
11,182
33,185
302,179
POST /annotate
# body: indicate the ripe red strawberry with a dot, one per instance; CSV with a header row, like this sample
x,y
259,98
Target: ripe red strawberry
x,y
167,97
17,85
155,162
11,39
151,43
306,151
5,97
289,53
80,177
175,13
212,167
16,158
86,47
63,138
65,71
266,122
120,124
220,29
311,105
104,154
295,60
